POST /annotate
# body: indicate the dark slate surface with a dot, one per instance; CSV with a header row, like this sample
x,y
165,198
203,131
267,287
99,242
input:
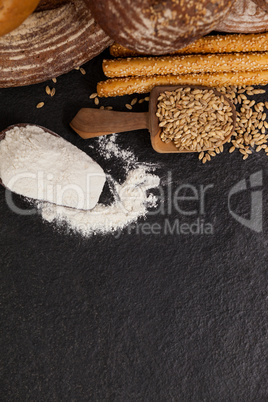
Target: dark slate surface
x,y
137,316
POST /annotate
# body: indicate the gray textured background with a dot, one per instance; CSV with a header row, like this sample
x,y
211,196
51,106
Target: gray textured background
x,y
139,317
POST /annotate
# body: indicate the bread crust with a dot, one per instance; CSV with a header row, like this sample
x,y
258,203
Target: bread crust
x,y
50,4
50,43
262,3
14,12
244,16
157,27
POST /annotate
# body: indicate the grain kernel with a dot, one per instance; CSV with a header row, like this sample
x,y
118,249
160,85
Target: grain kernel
x,y
133,102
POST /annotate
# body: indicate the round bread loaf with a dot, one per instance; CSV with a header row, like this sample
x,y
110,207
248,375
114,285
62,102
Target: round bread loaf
x,y
262,3
244,17
14,12
50,43
157,26
50,4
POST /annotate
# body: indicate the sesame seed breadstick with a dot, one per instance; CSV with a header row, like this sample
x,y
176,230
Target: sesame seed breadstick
x,y
186,64
211,44
128,86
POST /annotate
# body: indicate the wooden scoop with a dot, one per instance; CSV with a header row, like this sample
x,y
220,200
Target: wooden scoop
x,y
90,123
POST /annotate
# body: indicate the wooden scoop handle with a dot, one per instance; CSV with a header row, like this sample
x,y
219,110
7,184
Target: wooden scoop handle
x,y
90,123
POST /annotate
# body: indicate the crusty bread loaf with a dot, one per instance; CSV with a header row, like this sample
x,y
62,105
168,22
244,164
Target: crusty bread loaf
x,y
14,12
262,3
157,27
50,4
244,17
50,43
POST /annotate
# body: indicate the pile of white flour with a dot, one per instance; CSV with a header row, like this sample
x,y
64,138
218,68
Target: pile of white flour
x,y
41,166
131,199
131,202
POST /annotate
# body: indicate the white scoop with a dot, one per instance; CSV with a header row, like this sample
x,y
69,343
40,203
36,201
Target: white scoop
x,y
39,164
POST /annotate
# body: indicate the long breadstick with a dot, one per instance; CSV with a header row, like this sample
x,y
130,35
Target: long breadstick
x,y
128,86
211,44
148,66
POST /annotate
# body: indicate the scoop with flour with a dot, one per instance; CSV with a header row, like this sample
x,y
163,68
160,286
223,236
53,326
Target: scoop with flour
x,y
39,164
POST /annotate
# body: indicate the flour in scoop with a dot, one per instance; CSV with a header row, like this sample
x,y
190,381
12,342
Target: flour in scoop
x,y
131,198
38,165
64,179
